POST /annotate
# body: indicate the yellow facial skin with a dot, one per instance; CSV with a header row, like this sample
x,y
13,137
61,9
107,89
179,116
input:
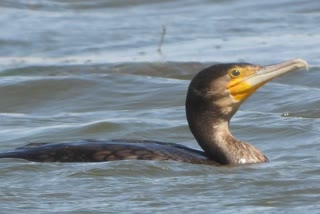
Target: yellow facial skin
x,y
246,79
238,87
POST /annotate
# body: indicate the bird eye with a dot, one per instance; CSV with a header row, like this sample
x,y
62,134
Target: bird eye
x,y
235,73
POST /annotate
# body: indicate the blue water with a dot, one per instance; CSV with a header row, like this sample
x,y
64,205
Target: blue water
x,y
96,69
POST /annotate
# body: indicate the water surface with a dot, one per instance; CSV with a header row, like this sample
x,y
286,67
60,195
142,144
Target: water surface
x,y
93,70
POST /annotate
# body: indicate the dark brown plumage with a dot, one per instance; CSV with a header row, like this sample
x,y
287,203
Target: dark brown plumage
x,y
214,95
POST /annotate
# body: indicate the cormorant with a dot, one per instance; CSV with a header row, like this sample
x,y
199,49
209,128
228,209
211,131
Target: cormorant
x,y
214,96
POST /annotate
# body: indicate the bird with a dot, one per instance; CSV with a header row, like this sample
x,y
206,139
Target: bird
x,y
214,95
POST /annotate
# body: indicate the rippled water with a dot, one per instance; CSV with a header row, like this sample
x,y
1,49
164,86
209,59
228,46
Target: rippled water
x,y
92,69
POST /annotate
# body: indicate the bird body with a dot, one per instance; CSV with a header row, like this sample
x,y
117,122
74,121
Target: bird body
x,y
109,150
214,96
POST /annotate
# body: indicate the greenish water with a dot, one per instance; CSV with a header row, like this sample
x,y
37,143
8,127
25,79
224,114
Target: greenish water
x,y
91,70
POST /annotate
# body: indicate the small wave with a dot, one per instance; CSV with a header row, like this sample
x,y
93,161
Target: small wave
x,y
315,113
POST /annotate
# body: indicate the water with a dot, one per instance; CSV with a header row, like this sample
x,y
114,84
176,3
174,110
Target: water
x,y
92,69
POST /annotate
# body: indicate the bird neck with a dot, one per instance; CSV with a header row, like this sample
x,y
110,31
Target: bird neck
x,y
220,145
210,127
